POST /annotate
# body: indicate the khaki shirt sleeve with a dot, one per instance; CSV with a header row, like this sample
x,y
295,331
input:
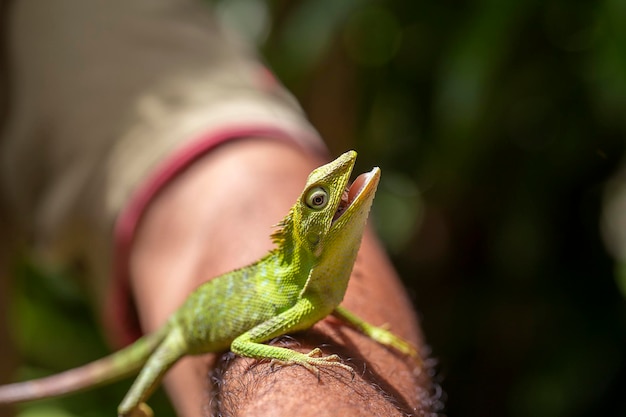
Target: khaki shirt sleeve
x,y
103,91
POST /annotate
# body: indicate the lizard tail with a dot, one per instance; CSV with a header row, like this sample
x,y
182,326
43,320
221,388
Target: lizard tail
x,y
116,366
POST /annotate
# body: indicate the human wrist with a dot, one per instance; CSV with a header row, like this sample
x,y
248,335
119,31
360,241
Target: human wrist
x,y
215,216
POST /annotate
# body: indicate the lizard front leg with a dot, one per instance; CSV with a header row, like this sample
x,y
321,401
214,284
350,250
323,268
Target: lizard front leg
x,y
299,317
376,333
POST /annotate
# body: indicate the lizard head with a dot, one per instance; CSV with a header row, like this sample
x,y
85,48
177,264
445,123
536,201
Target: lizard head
x,y
328,209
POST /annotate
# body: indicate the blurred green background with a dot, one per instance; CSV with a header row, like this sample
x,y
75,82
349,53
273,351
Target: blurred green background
x,y
497,125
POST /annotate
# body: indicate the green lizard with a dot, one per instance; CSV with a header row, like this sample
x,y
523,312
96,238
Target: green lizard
x,y
300,282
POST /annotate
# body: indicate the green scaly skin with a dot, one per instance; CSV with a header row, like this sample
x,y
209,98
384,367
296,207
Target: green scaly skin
x,y
294,286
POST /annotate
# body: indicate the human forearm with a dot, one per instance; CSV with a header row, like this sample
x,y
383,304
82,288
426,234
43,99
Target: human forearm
x,y
224,224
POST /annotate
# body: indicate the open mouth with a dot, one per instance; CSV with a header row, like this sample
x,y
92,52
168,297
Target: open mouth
x,y
354,191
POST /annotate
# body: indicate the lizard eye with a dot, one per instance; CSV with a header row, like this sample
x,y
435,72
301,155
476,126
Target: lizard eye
x,y
317,198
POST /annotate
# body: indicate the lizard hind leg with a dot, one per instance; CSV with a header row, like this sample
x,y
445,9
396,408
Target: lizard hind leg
x,y
171,349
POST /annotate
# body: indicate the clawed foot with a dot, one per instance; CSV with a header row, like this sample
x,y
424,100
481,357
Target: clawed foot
x,y
142,410
385,337
314,360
